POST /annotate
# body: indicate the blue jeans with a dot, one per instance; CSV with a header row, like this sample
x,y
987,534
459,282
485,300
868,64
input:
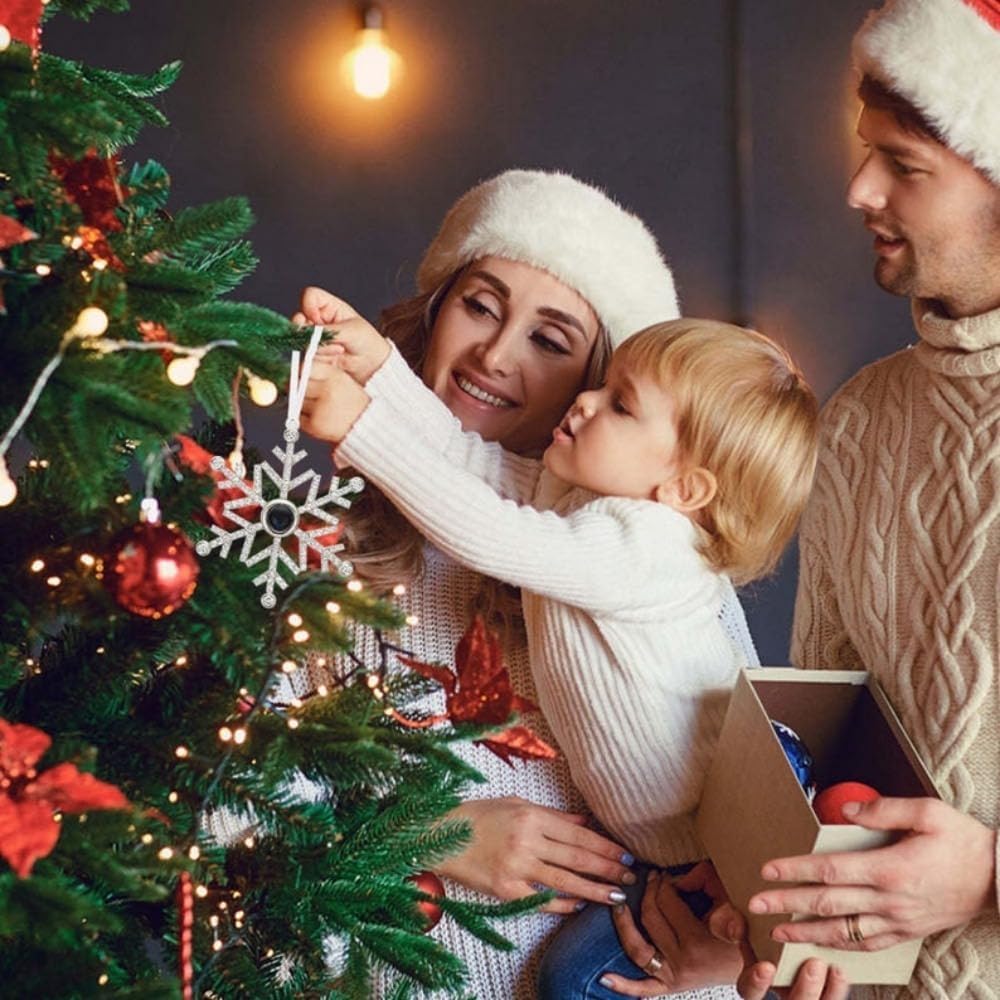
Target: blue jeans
x,y
587,946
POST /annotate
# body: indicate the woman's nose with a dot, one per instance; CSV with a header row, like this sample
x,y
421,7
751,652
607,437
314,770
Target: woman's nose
x,y
866,190
499,354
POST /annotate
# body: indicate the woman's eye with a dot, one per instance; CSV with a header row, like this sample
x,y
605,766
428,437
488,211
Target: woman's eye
x,y
902,169
618,406
546,343
476,307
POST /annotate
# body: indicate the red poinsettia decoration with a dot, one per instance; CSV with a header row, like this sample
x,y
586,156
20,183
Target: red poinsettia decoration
x,y
12,232
29,800
479,691
22,19
92,183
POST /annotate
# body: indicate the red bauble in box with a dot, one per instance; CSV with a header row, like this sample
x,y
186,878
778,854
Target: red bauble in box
x,y
830,802
151,569
428,882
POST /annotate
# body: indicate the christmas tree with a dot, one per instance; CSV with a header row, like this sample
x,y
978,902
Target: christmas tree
x,y
181,812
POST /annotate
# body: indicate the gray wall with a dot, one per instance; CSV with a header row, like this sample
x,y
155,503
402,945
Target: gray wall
x,y
645,97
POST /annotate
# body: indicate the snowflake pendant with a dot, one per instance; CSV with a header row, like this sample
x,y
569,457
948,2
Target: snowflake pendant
x,y
281,517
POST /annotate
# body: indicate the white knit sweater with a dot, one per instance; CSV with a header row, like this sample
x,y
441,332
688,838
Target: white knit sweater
x,y
900,563
631,664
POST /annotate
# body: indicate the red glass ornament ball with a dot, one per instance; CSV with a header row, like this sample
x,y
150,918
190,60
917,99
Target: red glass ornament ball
x,y
828,805
428,882
151,569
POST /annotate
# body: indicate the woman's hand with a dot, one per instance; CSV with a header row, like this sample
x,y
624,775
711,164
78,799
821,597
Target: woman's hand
x,y
358,347
518,846
685,954
332,401
939,874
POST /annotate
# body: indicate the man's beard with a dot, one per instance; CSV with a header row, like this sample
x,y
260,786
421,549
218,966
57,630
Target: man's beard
x,y
896,280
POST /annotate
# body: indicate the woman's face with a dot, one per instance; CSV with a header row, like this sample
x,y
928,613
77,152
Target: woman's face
x,y
509,351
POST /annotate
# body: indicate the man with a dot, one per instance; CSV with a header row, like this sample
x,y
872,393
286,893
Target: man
x,y
900,547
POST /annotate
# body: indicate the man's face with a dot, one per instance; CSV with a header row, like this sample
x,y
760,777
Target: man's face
x,y
936,219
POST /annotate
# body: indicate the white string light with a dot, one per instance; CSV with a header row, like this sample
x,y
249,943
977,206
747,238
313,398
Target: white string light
x,y
91,322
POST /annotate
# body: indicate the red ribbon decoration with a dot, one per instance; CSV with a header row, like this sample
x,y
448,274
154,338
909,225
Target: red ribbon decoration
x,y
185,919
479,691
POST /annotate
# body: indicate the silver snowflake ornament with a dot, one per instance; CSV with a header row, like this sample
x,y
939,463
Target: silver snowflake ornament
x,y
281,517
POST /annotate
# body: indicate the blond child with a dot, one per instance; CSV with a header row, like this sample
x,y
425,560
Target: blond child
x,y
691,463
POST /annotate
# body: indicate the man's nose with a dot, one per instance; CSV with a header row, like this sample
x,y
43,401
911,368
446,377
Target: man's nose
x,y
866,191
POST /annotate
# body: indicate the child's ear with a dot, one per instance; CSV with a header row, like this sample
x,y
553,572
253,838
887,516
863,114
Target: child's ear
x,y
688,491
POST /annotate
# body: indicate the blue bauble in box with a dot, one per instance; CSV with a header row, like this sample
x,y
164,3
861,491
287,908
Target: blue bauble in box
x,y
798,756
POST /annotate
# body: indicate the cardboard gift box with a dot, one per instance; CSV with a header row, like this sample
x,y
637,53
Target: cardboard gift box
x,y
753,808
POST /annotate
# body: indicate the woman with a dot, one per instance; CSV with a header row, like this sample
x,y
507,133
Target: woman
x,y
531,282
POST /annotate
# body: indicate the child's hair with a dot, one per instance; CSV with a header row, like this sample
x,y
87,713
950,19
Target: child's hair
x,y
745,413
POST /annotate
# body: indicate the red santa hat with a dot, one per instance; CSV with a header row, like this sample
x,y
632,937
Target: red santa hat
x,y
943,56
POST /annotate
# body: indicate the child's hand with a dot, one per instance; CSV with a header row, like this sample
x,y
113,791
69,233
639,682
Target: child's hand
x,y
360,348
332,402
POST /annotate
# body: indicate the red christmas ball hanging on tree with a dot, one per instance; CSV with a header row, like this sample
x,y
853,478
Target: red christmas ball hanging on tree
x,y
151,569
428,882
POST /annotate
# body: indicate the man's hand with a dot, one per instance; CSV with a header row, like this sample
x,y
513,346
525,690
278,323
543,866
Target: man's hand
x,y
940,874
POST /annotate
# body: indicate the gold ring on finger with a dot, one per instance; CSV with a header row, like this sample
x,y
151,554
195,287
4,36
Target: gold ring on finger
x,y
655,963
854,933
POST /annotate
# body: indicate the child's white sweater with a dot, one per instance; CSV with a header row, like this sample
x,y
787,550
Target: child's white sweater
x,y
630,661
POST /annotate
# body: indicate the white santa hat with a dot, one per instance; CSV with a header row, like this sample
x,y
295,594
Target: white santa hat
x,y
943,56
570,229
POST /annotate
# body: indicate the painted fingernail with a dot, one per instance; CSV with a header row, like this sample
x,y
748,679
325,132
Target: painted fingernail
x,y
581,905
627,859
605,981
850,808
757,906
628,878
769,871
617,896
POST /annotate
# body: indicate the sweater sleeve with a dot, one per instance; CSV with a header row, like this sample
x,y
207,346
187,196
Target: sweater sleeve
x,y
609,556
416,406
820,637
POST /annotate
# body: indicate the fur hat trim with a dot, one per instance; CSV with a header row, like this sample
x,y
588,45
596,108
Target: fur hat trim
x,y
570,229
943,56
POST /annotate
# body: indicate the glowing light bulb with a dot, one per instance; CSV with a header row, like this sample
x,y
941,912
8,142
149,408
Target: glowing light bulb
x,y
42,270
5,38
262,391
181,371
91,322
372,66
8,488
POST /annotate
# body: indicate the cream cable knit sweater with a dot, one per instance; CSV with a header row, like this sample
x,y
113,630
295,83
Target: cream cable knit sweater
x,y
900,566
